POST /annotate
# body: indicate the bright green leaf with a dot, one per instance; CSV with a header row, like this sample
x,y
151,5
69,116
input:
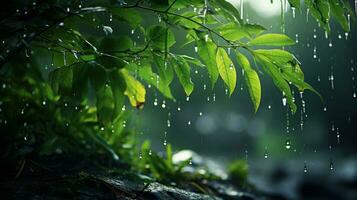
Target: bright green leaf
x,y
226,69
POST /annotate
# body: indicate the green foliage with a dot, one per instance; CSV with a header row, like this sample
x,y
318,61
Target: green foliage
x,y
238,171
70,66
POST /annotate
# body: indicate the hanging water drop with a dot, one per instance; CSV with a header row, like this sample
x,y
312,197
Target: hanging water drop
x,y
266,153
188,98
293,11
284,101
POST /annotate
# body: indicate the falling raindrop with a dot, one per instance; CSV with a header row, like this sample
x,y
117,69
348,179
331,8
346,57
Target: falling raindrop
x,y
163,105
330,44
293,10
155,102
339,36
178,108
206,37
346,35
165,135
44,102
338,136
196,49
241,8
307,15
189,123
297,38
269,107
305,167
325,109
188,98
332,78
288,144
200,113
123,108
229,50
190,162
314,55
331,165
266,153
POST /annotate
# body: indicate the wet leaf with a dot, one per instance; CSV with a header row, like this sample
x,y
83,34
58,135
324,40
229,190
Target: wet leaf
x,y
183,72
226,69
207,52
251,80
271,40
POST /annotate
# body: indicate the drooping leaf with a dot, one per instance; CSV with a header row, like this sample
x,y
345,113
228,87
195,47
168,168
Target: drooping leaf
x,y
165,70
278,79
118,87
320,10
61,79
207,52
271,40
183,72
338,11
146,73
226,69
251,79
134,90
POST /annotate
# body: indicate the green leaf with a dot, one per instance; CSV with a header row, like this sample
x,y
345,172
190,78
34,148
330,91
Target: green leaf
x,y
80,81
134,90
278,79
207,52
232,31
109,61
251,79
227,10
118,87
115,44
226,69
295,4
320,10
131,16
182,70
278,56
253,29
61,79
97,76
271,40
87,58
165,70
159,36
145,72
338,11
105,105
